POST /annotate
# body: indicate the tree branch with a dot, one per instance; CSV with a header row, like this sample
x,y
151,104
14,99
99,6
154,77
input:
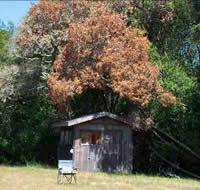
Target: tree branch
x,y
181,145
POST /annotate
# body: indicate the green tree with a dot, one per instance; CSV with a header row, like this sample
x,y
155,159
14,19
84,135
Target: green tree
x,y
24,108
180,120
4,38
166,22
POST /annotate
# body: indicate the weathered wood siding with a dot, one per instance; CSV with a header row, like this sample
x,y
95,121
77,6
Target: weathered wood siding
x,y
114,154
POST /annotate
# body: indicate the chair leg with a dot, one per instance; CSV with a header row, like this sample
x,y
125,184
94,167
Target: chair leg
x,y
68,178
59,180
74,178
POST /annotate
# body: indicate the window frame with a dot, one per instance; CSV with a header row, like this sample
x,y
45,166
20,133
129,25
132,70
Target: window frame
x,y
91,132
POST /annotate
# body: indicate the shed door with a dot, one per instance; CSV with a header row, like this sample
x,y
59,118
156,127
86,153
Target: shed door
x,y
90,150
112,151
101,151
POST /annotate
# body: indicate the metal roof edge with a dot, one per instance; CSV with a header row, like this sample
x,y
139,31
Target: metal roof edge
x,y
90,117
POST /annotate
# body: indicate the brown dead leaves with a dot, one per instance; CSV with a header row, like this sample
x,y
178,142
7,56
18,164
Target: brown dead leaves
x,y
103,52
98,51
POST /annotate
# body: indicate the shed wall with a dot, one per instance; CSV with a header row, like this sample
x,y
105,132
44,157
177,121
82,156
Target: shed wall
x,y
114,154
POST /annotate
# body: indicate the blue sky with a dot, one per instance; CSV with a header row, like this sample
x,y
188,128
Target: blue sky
x,y
13,10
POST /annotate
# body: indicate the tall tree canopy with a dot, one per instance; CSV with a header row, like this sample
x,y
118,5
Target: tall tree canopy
x,y
4,37
43,31
95,49
103,52
5,33
166,21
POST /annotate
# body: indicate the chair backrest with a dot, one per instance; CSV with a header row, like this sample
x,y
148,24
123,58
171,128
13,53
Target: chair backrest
x,y
65,166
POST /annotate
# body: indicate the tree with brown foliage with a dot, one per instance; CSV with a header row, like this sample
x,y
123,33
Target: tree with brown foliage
x,y
42,34
103,52
90,47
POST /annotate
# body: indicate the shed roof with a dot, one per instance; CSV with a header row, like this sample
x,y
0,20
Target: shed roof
x,y
90,117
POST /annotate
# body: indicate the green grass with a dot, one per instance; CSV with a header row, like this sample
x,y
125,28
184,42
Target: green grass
x,y
43,178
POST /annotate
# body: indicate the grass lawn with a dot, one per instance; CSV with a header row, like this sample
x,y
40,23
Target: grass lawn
x,y
38,178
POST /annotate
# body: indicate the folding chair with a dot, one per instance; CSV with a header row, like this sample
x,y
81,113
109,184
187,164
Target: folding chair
x,y
66,170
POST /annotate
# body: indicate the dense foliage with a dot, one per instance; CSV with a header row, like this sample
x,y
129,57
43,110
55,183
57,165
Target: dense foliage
x,y
43,32
4,37
103,52
24,109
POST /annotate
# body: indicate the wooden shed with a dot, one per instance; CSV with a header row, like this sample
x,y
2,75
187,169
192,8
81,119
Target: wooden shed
x,y
100,142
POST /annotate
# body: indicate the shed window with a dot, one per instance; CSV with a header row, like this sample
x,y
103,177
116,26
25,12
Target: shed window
x,y
90,137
